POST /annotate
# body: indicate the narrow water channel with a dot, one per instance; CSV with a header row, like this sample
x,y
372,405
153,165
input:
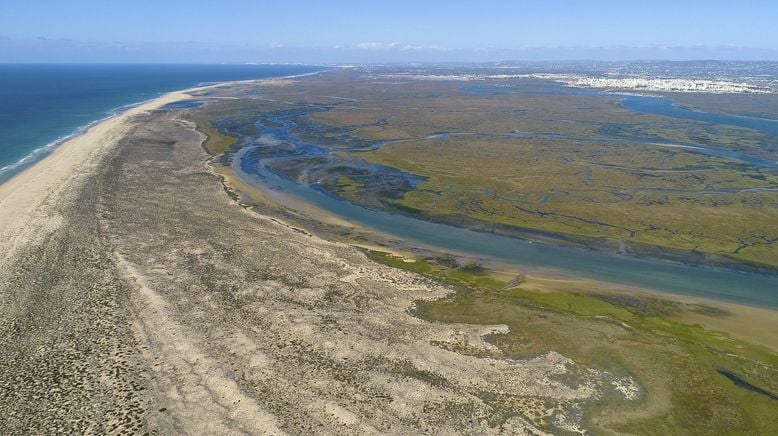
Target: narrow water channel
x,y
751,288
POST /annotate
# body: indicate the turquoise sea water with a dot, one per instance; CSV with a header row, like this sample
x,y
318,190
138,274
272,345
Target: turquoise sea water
x,y
40,104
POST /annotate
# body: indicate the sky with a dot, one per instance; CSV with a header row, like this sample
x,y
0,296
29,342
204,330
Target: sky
x,y
344,31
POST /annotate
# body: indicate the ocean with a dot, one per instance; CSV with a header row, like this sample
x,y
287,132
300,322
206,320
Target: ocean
x,y
42,105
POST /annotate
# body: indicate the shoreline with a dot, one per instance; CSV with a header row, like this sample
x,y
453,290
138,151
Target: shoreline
x,y
13,169
39,153
751,323
79,131
69,162
121,111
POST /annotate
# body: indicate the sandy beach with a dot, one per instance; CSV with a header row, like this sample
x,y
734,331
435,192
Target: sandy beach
x,y
23,199
24,215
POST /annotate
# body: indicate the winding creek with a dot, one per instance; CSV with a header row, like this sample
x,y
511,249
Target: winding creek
x,y
744,287
666,107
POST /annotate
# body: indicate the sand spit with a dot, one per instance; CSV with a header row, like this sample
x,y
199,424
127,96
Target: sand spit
x,y
69,164
23,197
137,297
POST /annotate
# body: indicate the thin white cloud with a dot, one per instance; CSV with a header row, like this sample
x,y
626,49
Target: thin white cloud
x,y
377,45
396,46
275,44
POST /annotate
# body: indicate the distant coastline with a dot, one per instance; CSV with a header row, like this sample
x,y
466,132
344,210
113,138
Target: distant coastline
x,y
72,158
41,116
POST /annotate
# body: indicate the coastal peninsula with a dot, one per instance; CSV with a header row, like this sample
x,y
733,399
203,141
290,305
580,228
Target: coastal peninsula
x,y
147,287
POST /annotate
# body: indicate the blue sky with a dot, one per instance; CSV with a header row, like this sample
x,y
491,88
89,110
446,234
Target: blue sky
x,y
347,30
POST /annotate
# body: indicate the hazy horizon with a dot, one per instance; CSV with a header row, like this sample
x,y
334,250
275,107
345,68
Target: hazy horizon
x,y
347,31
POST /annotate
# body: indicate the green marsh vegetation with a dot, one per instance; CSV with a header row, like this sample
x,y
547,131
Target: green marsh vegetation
x,y
623,192
567,180
754,105
636,194
620,194
677,364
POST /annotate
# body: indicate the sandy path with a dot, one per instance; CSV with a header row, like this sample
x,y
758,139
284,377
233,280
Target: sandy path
x,y
202,397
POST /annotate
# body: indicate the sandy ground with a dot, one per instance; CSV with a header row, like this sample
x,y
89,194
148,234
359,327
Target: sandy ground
x,y
137,297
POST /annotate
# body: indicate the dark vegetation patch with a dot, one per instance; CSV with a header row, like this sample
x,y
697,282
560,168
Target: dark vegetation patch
x,y
738,381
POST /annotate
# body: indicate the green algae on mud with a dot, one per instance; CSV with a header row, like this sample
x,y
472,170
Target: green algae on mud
x,y
446,269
